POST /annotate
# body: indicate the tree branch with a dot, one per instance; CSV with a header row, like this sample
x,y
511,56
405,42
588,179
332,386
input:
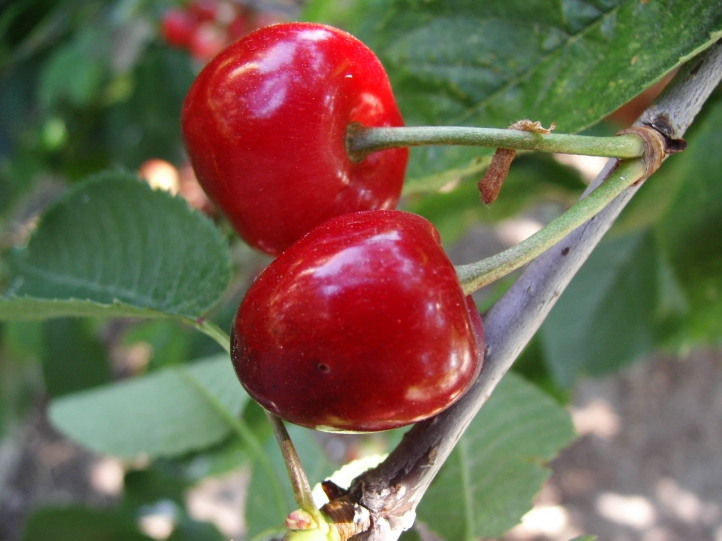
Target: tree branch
x,y
392,490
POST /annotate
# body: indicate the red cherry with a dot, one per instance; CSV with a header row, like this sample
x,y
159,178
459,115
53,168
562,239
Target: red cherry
x,y
177,27
204,10
362,325
265,126
207,40
239,26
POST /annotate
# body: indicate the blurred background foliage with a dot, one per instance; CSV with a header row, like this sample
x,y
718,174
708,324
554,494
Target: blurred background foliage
x,y
90,85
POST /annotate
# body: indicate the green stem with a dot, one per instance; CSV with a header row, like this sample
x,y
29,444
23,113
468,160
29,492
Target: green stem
x,y
481,273
362,141
211,329
244,432
299,480
241,429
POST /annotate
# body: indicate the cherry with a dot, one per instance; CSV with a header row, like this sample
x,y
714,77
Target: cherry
x,y
207,40
362,325
239,26
177,27
265,125
204,10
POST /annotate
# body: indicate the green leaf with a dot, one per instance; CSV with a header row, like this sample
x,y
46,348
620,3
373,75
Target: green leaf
x,y
169,342
330,12
153,484
75,523
656,196
464,62
499,464
532,366
23,340
232,452
147,124
21,388
228,455
607,317
162,487
689,230
75,359
112,246
76,70
188,529
167,413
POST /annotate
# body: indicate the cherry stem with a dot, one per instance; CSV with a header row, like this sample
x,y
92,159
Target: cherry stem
x,y
299,481
362,141
241,429
486,271
212,330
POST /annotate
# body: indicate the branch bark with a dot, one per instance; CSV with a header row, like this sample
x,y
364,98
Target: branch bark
x,y
392,491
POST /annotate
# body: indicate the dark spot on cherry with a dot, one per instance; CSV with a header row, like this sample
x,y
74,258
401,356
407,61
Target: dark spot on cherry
x,y
324,368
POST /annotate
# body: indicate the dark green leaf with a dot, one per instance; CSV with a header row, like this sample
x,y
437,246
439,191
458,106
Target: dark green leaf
x,y
607,316
499,464
112,246
76,71
167,340
192,530
76,523
167,413
151,485
75,359
21,385
157,486
689,230
656,196
147,124
532,366
24,340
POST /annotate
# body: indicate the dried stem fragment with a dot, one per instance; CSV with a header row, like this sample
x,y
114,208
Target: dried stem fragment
x,y
495,175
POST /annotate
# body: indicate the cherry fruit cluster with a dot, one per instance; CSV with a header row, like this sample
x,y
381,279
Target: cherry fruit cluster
x,y
360,324
205,27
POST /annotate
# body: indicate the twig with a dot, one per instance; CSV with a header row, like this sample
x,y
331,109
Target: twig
x,y
392,490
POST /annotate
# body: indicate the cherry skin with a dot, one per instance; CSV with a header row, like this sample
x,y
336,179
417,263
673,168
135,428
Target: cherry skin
x,y
360,326
265,127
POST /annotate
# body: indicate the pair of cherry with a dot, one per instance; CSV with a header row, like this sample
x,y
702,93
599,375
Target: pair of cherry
x,y
361,323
